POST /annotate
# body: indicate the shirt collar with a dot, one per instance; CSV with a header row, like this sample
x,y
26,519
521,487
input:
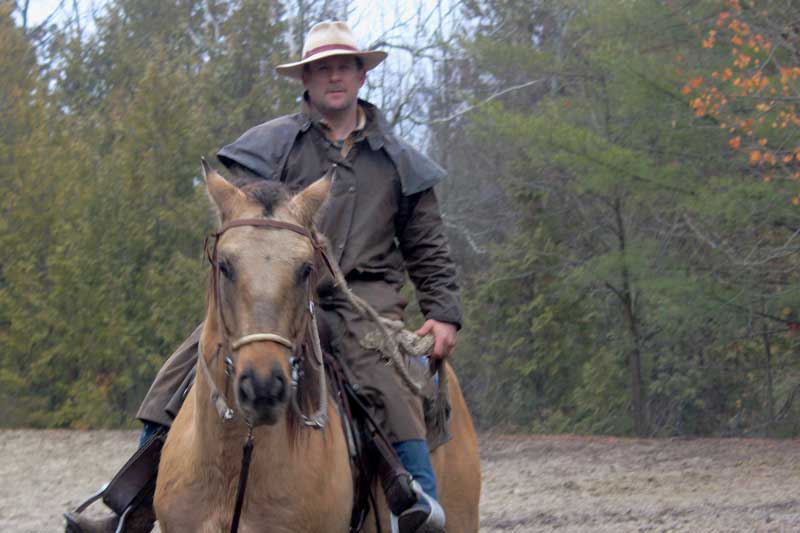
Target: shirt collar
x,y
370,123
361,121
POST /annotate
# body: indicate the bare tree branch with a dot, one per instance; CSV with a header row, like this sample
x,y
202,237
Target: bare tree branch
x,y
24,13
482,102
211,20
467,236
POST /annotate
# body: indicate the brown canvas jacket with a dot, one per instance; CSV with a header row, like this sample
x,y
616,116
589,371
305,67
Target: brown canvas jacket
x,y
382,218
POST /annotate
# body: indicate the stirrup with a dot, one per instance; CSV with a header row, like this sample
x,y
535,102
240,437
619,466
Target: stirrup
x,y
91,499
434,522
122,520
73,520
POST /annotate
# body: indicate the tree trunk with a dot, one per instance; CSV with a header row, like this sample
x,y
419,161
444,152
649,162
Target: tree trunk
x,y
770,392
638,392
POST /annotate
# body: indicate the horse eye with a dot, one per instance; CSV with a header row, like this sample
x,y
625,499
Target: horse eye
x,y
303,272
226,269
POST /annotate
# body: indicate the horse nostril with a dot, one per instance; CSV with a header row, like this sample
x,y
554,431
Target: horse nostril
x,y
280,387
246,391
261,392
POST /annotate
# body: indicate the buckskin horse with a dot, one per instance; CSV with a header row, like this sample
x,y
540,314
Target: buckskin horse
x,y
257,310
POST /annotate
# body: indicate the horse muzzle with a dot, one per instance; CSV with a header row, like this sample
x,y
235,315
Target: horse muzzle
x,y
262,398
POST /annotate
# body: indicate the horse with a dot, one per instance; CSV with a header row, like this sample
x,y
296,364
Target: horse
x,y
299,480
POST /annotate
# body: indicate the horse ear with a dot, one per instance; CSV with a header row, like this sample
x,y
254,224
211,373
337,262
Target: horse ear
x,y
307,203
223,194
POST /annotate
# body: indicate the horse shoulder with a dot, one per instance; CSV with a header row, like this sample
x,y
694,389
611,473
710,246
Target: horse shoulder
x,y
177,492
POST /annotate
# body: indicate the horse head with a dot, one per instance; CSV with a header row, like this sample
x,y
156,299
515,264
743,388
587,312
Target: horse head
x,y
262,281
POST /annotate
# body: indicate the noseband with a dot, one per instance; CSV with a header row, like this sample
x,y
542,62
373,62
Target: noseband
x,y
308,330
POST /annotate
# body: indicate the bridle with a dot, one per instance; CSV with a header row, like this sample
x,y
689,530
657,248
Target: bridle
x,y
308,334
308,330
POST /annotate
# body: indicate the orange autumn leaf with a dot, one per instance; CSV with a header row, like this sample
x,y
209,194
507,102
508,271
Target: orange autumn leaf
x,y
743,28
766,86
742,61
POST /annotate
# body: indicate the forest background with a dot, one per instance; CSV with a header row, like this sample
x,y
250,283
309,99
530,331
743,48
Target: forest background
x,y
622,198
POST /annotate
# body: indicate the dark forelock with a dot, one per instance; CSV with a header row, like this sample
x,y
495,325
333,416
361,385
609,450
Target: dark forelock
x,y
270,194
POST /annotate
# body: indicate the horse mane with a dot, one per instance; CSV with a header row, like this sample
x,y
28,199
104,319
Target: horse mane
x,y
307,397
270,194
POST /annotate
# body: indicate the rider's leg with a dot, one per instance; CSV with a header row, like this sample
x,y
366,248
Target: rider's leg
x,y
141,518
398,413
426,515
416,457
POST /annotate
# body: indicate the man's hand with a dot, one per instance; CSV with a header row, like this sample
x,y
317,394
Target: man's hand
x,y
444,335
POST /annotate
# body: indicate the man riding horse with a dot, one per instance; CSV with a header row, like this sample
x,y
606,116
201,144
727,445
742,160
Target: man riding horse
x,y
382,221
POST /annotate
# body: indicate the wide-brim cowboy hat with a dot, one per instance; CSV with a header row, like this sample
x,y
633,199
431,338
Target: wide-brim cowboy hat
x,y
330,39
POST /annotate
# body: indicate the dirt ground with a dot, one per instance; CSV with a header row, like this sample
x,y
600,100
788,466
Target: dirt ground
x,y
530,483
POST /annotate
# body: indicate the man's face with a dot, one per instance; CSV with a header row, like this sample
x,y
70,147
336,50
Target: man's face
x,y
333,83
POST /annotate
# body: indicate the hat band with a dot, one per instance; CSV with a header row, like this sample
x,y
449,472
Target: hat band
x,y
327,47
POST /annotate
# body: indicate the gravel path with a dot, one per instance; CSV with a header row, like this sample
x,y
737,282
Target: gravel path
x,y
531,483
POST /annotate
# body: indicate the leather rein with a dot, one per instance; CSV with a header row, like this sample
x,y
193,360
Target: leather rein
x,y
309,334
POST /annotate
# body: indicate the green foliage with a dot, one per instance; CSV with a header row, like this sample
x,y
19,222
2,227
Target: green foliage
x,y
637,239
624,271
103,207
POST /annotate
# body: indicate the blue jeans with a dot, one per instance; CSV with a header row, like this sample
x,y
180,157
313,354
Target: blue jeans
x,y
416,457
147,431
